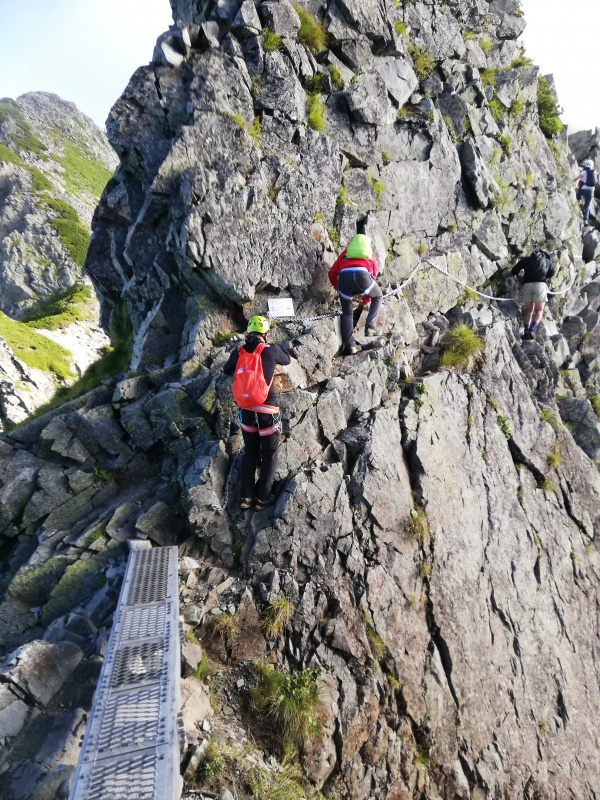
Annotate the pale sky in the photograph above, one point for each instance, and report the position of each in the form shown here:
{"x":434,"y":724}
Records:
{"x":84,"y":51}
{"x":561,"y":38}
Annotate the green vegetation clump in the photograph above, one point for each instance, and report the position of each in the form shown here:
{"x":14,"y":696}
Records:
{"x":545,"y":485}
{"x":378,"y":647}
{"x":337,"y":82}
{"x":311,"y":33}
{"x":423,"y":63}
{"x":63,"y":309}
{"x":505,"y":142}
{"x":468,"y":35}
{"x":554,"y":457}
{"x":291,"y":702}
{"x":315,"y":84}
{"x":276,"y":617}
{"x":497,"y":109}
{"x":221,"y":338}
{"x":74,"y":237}
{"x":271,"y":40}
{"x":547,"y":109}
{"x":24,"y":139}
{"x":316,"y":113}
{"x":488,"y":76}
{"x":595,"y":401}
{"x":34,"y":583}
{"x":226,"y":627}
{"x":78,"y":584}
{"x":463,"y":344}
{"x":115,"y":360}
{"x":400,"y":27}
{"x":204,"y":669}
{"x":7,"y":155}
{"x":84,"y":174}
{"x":35,"y":350}
{"x":486,"y":46}
{"x":417,"y":526}
{"x":521,"y":61}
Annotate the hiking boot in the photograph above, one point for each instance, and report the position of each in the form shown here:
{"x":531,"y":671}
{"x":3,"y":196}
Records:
{"x":246,"y":502}
{"x":370,"y":332}
{"x":529,"y":336}
{"x":352,"y":349}
{"x":260,"y":504}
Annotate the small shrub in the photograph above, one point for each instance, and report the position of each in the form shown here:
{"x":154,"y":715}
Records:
{"x":225,"y":626}
{"x":271,"y":40}
{"x":468,"y":35}
{"x":417,"y":526}
{"x":316,"y":113}
{"x":63,"y":309}
{"x":521,"y":61}
{"x":254,"y":130}
{"x":291,"y":702}
{"x":486,"y":46}
{"x":463,"y":343}
{"x":497,"y":109}
{"x":212,"y":764}
{"x":504,"y":426}
{"x":545,"y":485}
{"x":311,"y":33}
{"x":595,"y":401}
{"x":554,"y":458}
{"x":422,"y":249}
{"x":276,"y":617}
{"x":543,"y":726}
{"x":402,"y":113}
{"x":424,"y":569}
{"x":505,"y":143}
{"x":315,"y":84}
{"x":378,"y":189}
{"x":423,"y":63}
{"x":395,"y":685}
{"x":547,"y":109}
{"x":221,"y":338}
{"x":399,"y":27}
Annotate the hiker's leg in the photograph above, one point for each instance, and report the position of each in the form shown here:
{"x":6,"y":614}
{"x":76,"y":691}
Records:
{"x":527,"y":312}
{"x":376,"y":295}
{"x":269,"y":445}
{"x":346,"y":323}
{"x":538,"y":310}
{"x":251,"y":451}
{"x":587,"y":195}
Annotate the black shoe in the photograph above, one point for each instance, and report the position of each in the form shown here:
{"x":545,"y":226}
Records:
{"x":370,"y":332}
{"x":352,"y":349}
{"x":260,"y":504}
{"x":529,"y":336}
{"x":246,"y":502}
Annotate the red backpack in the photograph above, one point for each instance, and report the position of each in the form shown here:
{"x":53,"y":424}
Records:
{"x":249,"y":385}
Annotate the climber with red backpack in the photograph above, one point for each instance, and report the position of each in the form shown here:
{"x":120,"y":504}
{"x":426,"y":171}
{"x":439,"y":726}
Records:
{"x":253,"y":366}
{"x":538,"y":268}
{"x":353,"y":275}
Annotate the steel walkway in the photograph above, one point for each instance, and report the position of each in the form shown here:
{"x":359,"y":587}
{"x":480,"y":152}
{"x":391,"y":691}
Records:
{"x":131,"y":749}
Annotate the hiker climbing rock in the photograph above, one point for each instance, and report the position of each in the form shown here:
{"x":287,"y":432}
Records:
{"x":254,"y":366}
{"x":585,"y":187}
{"x":538,"y":269}
{"x":353,"y":275}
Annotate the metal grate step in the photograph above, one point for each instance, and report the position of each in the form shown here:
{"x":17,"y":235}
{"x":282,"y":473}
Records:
{"x":132,"y":744}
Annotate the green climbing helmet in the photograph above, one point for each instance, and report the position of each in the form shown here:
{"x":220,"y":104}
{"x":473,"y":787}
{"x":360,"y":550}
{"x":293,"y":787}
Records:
{"x":360,"y":247}
{"x":258,"y":324}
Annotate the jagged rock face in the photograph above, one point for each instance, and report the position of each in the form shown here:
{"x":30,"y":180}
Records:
{"x":49,"y":149}
{"x":436,"y":536}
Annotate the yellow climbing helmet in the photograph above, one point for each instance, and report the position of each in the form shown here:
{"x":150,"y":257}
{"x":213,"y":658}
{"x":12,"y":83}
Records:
{"x":258,"y":324}
{"x":360,"y":247}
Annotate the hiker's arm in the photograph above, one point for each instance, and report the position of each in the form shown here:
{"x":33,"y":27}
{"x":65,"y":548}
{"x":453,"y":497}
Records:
{"x":335,"y":270}
{"x":551,"y":272}
{"x":229,"y":366}
{"x":281,"y":357}
{"x":518,"y":267}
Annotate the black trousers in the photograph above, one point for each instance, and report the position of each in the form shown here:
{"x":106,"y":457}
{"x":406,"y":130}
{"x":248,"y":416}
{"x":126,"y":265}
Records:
{"x":350,"y":284}
{"x":256,"y":445}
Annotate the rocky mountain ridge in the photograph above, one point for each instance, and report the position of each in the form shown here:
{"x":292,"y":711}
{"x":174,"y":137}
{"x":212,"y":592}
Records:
{"x":434,"y":532}
{"x":54,"y":163}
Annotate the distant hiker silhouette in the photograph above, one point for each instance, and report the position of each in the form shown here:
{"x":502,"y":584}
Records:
{"x":586,"y":186}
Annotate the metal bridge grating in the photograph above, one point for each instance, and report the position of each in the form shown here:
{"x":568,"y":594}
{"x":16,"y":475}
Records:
{"x":131,"y":778}
{"x":132,"y":743}
{"x":149,"y":581}
{"x":142,"y":623}
{"x":130,"y":720}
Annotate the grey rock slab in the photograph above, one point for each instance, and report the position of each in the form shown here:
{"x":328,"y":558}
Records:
{"x":280,"y":17}
{"x":13,"y":713}
{"x":489,"y":237}
{"x":399,"y":79}
{"x":281,"y":91}
{"x":39,"y":669}
{"x":160,"y":524}
{"x":368,"y":99}
{"x":583,"y":423}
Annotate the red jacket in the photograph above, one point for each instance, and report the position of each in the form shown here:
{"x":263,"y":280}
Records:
{"x":342,"y":262}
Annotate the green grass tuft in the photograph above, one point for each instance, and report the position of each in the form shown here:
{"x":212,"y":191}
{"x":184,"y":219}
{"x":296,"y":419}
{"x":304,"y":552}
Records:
{"x":276,"y":617}
{"x":7,"y":155}
{"x":399,"y":27}
{"x":423,"y":63}
{"x":417,"y":526}
{"x":316,"y":113}
{"x":36,"y":350}
{"x":291,"y":702}
{"x":74,"y":237}
{"x":83,"y":174}
{"x":595,"y":401}
{"x":311,"y":33}
{"x":486,"y":46}
{"x":271,"y":40}
{"x":488,"y":76}
{"x":337,"y":82}
{"x":463,"y":344}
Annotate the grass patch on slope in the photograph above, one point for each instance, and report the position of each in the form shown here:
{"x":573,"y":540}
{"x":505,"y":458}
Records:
{"x":547,"y":109}
{"x":23,"y":138}
{"x":84,"y":174}
{"x":311,"y":33}
{"x":63,"y":309}
{"x":35,"y":350}
{"x":74,"y":237}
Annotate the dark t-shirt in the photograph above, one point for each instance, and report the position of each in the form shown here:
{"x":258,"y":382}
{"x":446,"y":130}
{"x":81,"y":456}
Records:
{"x":270,"y":356}
{"x":533,"y":274}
